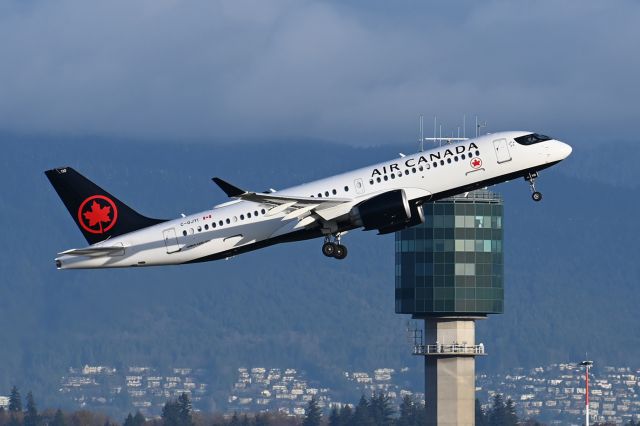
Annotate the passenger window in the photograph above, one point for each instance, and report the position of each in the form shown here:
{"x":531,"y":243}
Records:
{"x":421,"y":168}
{"x":455,"y":158}
{"x":241,"y":217}
{"x":442,"y":162}
{"x":263,"y":211}
{"x":206,"y":226}
{"x":326,"y":193}
{"x":346,"y":189}
{"x":449,"y":160}
{"x":213,"y":225}
{"x":249,"y":215}
{"x":378,"y":179}
{"x":413,"y":170}
{"x":435,"y":164}
{"x":255,"y":213}
{"x":184,"y":232}
{"x":477,"y":153}
{"x":406,"y":172}
{"x":228,"y":221}
{"x":220,"y":223}
{"x":370,"y":181}
{"x":319,"y":195}
{"x":386,"y":177}
{"x":393,"y":176}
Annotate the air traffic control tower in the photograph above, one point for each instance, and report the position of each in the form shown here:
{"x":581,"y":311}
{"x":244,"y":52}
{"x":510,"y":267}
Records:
{"x":449,"y":273}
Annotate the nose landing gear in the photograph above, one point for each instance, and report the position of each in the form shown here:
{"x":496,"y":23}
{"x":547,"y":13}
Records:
{"x":531,"y":178}
{"x":334,"y":248}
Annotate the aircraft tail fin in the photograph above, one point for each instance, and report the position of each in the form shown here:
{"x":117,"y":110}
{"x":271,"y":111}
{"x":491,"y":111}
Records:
{"x":98,"y":214}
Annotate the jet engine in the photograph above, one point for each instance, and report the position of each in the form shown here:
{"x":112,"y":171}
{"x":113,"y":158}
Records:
{"x":417,"y":217}
{"x":386,"y":212}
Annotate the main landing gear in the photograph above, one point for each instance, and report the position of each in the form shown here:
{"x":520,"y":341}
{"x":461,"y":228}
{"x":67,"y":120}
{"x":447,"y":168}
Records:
{"x":334,"y":249}
{"x":531,"y":178}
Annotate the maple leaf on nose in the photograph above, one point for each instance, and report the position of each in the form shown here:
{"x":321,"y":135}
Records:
{"x":97,"y":214}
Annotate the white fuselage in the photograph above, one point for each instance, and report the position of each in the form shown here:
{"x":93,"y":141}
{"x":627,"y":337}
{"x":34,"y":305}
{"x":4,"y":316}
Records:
{"x":239,"y":225}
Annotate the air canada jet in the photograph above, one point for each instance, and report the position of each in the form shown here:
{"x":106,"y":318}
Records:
{"x":386,"y":197}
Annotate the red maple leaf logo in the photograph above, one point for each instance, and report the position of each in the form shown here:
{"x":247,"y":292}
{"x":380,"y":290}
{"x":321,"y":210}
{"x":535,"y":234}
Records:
{"x":97,"y":215}
{"x":476,"y":162}
{"x":100,"y":216}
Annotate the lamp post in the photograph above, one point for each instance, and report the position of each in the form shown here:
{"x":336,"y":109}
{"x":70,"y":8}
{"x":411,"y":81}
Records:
{"x":587,"y":365}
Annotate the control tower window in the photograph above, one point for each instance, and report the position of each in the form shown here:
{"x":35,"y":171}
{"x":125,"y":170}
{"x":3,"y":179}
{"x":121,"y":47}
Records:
{"x":532,"y":138}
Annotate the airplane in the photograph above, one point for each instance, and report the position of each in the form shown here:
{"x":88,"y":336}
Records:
{"x":386,"y":197}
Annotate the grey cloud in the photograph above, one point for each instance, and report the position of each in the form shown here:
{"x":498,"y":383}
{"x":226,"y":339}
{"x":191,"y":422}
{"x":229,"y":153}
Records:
{"x":354,"y":71}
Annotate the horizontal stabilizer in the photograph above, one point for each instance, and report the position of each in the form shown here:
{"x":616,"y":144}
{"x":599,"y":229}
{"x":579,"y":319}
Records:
{"x":95,"y":251}
{"x":230,"y":190}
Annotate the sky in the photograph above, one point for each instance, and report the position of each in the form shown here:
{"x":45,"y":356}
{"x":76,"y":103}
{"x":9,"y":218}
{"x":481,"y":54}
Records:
{"x":356,"y":72}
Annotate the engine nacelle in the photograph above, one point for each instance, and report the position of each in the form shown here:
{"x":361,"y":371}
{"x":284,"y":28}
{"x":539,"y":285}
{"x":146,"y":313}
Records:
{"x":386,"y":210}
{"x":417,"y":217}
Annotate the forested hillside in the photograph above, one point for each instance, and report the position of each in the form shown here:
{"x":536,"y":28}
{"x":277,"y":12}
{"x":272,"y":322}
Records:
{"x":571,"y":266}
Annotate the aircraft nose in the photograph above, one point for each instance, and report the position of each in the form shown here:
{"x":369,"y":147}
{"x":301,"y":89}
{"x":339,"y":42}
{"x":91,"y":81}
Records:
{"x":564,"y":149}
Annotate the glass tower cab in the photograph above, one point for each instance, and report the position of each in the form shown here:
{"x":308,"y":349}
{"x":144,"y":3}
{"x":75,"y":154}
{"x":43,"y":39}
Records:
{"x":452,"y":264}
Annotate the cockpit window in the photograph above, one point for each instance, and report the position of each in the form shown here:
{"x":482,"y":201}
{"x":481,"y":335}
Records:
{"x":532,"y":138}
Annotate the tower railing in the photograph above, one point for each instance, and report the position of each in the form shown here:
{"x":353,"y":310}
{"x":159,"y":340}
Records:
{"x":449,"y":349}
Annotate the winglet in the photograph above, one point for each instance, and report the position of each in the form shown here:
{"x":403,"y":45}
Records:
{"x":230,"y":190}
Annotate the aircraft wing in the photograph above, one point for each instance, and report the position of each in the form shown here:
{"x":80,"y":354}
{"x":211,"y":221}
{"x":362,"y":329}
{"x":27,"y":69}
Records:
{"x":327,"y":208}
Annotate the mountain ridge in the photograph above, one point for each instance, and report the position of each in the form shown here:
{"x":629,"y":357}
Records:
{"x":287,"y":304}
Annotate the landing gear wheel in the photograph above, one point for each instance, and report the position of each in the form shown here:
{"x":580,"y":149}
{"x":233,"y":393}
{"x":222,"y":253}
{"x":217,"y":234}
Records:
{"x":531,"y":178}
{"x":329,"y":249}
{"x":340,"y":252}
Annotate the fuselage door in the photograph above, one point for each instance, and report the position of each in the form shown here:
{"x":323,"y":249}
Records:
{"x":359,"y":186}
{"x":502,"y":150}
{"x":170,"y":240}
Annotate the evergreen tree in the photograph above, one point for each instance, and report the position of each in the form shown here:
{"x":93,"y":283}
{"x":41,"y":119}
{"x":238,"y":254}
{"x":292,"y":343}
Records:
{"x":334,"y":417}
{"x":15,"y":400}
{"x":411,"y":412}
{"x":511,"y":418}
{"x":235,"y":420}
{"x":170,"y":413}
{"x":58,"y":419}
{"x":362,"y":416}
{"x":421,"y":414}
{"x":31,"y":417}
{"x":128,"y":421}
{"x":13,"y":421}
{"x":313,"y":415}
{"x":184,"y":410}
{"x":245,"y":420}
{"x":481,"y":417}
{"x":261,"y":419}
{"x":138,"y":419}
{"x":386,"y":409}
{"x":346,"y":415}
{"x":497,"y":415}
